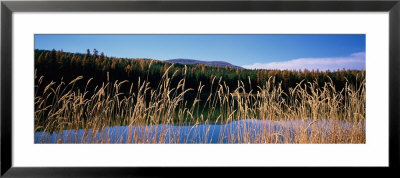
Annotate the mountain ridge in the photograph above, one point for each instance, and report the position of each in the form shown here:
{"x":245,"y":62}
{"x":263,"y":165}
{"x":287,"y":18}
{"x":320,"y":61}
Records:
{"x":211,"y":63}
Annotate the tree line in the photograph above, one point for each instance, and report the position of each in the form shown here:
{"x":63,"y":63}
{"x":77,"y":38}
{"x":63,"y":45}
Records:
{"x":55,"y":65}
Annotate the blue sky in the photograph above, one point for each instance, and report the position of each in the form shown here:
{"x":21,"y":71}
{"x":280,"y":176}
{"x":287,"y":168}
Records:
{"x":250,"y":51}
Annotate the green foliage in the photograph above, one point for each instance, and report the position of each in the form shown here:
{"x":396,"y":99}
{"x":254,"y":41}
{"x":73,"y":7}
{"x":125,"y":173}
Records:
{"x":58,"y":64}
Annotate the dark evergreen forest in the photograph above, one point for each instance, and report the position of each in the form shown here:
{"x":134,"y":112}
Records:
{"x":56,"y":65}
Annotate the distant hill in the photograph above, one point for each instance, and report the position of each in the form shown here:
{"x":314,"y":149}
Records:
{"x":211,"y":63}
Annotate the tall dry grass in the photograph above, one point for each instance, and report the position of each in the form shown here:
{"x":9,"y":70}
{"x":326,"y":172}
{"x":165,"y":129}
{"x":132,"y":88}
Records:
{"x":318,"y":111}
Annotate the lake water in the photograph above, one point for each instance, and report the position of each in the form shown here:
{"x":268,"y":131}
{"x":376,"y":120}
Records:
{"x":241,"y":131}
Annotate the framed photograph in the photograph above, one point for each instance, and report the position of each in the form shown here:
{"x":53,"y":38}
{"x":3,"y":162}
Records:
{"x":141,"y":88}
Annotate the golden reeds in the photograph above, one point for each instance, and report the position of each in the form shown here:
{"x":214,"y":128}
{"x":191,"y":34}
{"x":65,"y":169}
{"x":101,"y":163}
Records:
{"x":321,"y":114}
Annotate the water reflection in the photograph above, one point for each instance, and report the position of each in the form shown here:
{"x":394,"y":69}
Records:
{"x":241,"y":131}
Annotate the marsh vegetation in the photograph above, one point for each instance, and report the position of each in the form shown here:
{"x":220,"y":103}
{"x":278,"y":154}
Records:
{"x":264,"y":107}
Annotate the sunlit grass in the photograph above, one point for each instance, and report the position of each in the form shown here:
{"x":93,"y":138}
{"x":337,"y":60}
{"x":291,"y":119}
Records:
{"x":318,"y":111}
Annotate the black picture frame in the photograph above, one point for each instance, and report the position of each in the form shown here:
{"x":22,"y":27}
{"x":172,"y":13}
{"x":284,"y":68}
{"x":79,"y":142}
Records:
{"x":8,"y":7}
